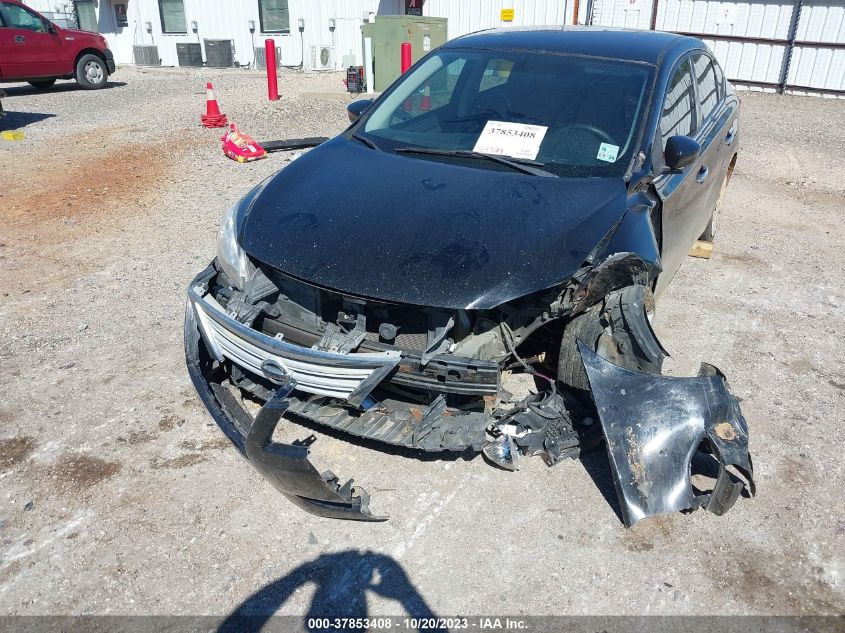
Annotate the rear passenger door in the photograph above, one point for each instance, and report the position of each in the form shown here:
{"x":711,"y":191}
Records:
{"x":713,"y":120}
{"x":719,"y":113}
{"x":5,"y":47}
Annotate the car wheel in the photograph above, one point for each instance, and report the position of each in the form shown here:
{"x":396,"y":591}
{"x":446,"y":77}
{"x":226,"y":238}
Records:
{"x":42,"y":84}
{"x":710,"y":231}
{"x":619,"y":330}
{"x":91,"y":72}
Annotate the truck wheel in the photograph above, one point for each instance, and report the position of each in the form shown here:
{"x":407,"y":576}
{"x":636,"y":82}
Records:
{"x":42,"y":84}
{"x":91,"y":72}
{"x":617,"y":329}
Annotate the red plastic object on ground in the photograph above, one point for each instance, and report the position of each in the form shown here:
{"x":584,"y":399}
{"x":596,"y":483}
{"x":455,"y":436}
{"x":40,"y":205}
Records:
{"x":425,"y":102}
{"x":241,"y":147}
{"x":212,"y":117}
{"x":406,"y":56}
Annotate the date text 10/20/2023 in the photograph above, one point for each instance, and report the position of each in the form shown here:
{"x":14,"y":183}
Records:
{"x":417,"y":624}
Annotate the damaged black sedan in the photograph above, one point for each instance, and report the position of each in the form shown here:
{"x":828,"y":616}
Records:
{"x":513,"y":204}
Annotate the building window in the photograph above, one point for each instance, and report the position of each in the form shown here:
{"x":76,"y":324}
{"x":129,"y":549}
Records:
{"x":86,"y":15}
{"x":172,"y":16}
{"x":121,"y":17}
{"x":274,"y":16}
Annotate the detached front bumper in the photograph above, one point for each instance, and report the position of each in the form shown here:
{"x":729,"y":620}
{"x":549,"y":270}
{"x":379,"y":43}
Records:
{"x":285,"y":466}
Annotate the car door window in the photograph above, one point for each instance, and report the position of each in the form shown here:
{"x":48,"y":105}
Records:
{"x":706,"y":85}
{"x":21,"y":18}
{"x":720,"y":79}
{"x":434,"y":93}
{"x":678,"y":118}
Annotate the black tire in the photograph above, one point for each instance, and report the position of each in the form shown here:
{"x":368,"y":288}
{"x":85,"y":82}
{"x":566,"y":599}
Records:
{"x":710,"y":231}
{"x":617,"y":329}
{"x":42,"y":84}
{"x":91,"y":72}
{"x":586,"y":327}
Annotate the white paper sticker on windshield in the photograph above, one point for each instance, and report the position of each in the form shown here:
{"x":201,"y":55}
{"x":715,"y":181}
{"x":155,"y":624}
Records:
{"x":516,"y":140}
{"x":608,"y":152}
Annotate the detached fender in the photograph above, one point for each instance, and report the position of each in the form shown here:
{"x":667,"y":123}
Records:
{"x":654,"y":424}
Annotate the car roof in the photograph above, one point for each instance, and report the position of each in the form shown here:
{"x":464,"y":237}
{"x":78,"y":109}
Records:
{"x":640,"y":46}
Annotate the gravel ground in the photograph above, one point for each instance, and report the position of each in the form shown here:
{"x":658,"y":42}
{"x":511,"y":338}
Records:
{"x":118,"y":495}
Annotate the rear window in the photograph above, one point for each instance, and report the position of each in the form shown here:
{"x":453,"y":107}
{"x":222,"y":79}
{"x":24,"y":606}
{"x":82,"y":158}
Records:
{"x":708,"y":91}
{"x":677,"y":117}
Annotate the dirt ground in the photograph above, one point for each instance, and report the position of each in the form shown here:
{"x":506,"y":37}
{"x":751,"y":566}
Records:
{"x":118,"y":495}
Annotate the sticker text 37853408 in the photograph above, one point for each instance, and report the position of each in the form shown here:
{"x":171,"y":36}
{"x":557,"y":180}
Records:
{"x":517,"y":140}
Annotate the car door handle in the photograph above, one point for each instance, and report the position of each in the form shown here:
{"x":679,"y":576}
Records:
{"x":729,"y":137}
{"x":702,"y":174}
{"x":20,"y":39}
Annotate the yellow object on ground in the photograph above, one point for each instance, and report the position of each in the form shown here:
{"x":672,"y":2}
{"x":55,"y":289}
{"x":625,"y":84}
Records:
{"x":13,"y":135}
{"x":702,"y":249}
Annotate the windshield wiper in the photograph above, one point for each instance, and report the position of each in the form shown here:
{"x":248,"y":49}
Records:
{"x":524,"y":166}
{"x":364,"y":140}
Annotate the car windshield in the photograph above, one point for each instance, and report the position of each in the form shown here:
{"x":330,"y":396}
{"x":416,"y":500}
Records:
{"x":577,"y":116}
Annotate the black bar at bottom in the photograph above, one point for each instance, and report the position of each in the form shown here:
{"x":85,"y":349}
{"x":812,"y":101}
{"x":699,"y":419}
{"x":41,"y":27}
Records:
{"x":293,"y":143}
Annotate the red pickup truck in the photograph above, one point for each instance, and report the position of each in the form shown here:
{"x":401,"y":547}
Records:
{"x":35,"y":50}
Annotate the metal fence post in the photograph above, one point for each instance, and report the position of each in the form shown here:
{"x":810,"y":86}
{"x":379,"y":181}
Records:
{"x":790,"y":46}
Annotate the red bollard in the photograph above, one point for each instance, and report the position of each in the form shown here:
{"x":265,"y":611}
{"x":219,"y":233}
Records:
{"x":272,"y":79}
{"x":406,"y":56}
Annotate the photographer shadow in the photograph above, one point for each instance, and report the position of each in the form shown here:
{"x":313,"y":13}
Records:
{"x":342,"y":581}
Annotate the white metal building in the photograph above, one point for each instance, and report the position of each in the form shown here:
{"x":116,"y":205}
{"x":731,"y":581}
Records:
{"x":792,"y":45}
{"x":787,"y":45}
{"x":296,"y":25}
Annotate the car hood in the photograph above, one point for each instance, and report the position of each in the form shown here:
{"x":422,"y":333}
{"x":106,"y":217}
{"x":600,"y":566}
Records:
{"x":80,"y":34}
{"x":403,"y":229}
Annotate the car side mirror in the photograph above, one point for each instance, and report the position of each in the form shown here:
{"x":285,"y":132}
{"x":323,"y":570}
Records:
{"x":355,"y":109}
{"x":680,"y":151}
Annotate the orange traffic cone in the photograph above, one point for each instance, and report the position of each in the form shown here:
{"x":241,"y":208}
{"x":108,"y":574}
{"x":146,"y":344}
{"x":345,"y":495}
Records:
{"x":212,"y":116}
{"x":425,"y":102}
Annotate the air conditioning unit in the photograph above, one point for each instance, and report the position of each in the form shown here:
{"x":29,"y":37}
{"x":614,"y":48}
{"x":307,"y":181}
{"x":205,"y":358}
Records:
{"x":219,"y":53}
{"x":189,"y":53}
{"x":146,"y":55}
{"x":322,"y":58}
{"x":261,"y":57}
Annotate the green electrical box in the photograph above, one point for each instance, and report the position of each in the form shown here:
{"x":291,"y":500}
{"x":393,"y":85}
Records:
{"x":389,"y":31}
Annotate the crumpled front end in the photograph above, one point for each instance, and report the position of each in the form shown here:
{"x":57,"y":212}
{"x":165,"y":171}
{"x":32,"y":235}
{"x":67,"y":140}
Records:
{"x":237,"y":344}
{"x":430,"y":379}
